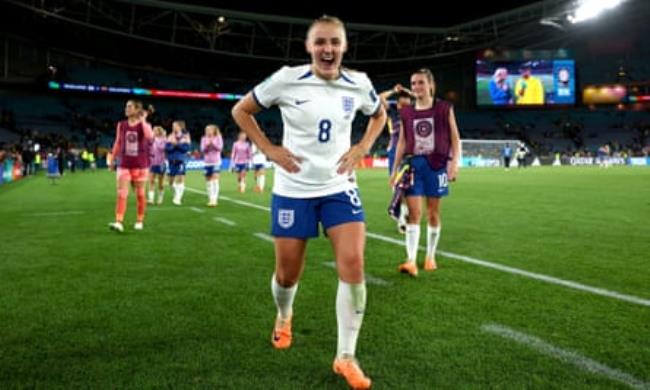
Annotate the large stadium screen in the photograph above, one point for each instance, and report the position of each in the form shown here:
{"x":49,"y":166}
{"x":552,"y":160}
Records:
{"x":525,"y":83}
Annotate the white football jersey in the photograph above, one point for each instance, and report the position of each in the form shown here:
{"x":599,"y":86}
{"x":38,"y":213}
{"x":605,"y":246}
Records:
{"x":258,"y":156}
{"x":317,"y":120}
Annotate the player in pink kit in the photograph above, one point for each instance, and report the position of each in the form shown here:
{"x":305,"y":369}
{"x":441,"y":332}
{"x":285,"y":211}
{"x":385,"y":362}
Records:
{"x":241,"y":159}
{"x":211,"y":146}
{"x":157,"y":170}
{"x":131,"y":149}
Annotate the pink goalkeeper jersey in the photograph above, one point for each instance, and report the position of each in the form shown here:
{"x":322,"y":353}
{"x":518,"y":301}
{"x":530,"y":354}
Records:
{"x":211,"y":148}
{"x":241,"y":152}
{"x":158,"y":151}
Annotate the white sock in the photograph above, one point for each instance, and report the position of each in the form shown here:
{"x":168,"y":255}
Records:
{"x":433,"y":235}
{"x":181,"y":189}
{"x":283,"y":297}
{"x":216,"y":190}
{"x":151,"y":194}
{"x":242,"y":186}
{"x":214,"y":187}
{"x":209,"y":190}
{"x":160,"y":195}
{"x":261,"y":181}
{"x":350,"y":307}
{"x":412,"y":241}
{"x":175,"y":189}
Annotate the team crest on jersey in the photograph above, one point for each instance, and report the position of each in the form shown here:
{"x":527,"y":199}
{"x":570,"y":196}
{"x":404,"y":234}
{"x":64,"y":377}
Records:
{"x":131,"y":145}
{"x":423,"y":127}
{"x":348,"y":104}
{"x":285,"y":218}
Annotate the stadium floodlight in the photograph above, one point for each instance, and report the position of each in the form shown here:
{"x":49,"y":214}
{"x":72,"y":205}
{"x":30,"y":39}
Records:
{"x":588,"y":9}
{"x":553,"y":22}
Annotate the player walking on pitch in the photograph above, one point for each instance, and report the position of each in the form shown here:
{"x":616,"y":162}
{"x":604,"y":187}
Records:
{"x":157,"y":170}
{"x":314,"y":181}
{"x":178,"y":144}
{"x":211,"y":146}
{"x":241,"y":159}
{"x":430,"y":138}
{"x":131,"y":148}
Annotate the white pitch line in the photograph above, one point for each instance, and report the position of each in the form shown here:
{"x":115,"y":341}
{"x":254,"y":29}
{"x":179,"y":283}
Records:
{"x":197,"y":210}
{"x":483,"y":263}
{"x":264,"y":237}
{"x":190,"y":189}
{"x":369,"y":278}
{"x":528,"y":274}
{"x":225,"y":221}
{"x":229,"y":199}
{"x":565,"y":356}
{"x":247,"y":204}
{"x":56,"y":213}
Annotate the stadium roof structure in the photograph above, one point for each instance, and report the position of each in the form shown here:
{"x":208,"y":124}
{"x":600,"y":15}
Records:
{"x":257,"y":36}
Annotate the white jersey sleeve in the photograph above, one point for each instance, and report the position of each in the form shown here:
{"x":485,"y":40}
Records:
{"x":268,"y":92}
{"x":369,"y":100}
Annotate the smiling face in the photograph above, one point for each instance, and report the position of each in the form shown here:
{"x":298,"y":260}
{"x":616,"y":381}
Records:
{"x":422,"y":86}
{"x":326,"y":43}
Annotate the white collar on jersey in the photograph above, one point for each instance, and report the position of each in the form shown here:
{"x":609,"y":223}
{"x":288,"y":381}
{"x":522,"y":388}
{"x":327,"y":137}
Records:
{"x":342,"y":76}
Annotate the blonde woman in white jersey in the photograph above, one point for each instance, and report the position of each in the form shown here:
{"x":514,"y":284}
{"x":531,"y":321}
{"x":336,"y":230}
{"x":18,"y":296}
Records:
{"x":314,"y":183}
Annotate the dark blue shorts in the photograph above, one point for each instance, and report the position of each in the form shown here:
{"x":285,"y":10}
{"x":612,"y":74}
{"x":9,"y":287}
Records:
{"x":427,"y":181}
{"x":176,"y":168}
{"x":157,"y":169}
{"x":211,"y":170}
{"x":241,"y":168}
{"x":299,"y":218}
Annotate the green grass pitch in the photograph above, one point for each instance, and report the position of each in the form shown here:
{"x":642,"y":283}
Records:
{"x":186,"y":303}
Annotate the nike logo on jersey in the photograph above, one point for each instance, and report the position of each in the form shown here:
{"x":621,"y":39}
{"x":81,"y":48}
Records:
{"x":299,"y":102}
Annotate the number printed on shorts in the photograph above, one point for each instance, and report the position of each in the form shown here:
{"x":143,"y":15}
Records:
{"x":324,"y":127}
{"x":442,"y":180}
{"x":353,"y":193}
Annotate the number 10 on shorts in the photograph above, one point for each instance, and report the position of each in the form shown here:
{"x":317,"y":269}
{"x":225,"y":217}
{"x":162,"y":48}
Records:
{"x":442,"y":180}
